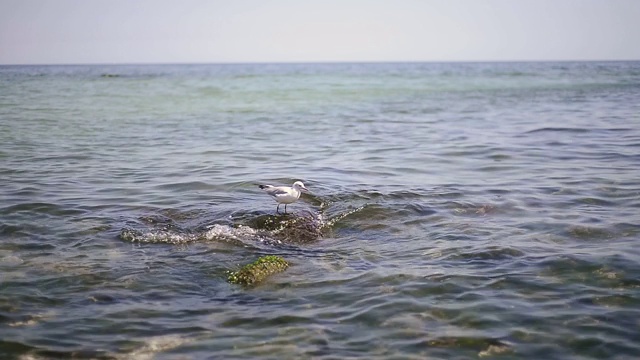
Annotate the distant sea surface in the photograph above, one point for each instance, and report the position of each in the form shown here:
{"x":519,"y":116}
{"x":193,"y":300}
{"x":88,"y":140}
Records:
{"x":456,"y":211}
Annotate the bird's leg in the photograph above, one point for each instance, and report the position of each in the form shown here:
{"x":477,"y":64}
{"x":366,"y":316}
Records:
{"x":285,"y":208}
{"x":277,"y":208}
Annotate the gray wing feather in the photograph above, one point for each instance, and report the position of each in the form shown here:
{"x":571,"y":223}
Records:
{"x":276,"y":191}
{"x":272,"y":190}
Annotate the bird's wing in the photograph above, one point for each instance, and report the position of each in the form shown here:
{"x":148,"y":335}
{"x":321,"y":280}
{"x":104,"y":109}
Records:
{"x":274,"y":190}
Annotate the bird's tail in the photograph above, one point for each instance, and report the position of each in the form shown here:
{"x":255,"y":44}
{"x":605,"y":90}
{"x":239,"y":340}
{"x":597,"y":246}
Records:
{"x":264,"y":186}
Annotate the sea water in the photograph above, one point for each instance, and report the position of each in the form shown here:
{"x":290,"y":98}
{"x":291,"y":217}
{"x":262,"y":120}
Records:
{"x":459,"y":210}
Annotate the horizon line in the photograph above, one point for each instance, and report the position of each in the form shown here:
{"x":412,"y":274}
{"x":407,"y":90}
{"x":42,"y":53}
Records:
{"x":328,"y":62}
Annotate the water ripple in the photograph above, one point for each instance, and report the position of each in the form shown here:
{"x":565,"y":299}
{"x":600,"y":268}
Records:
{"x":456,"y":210}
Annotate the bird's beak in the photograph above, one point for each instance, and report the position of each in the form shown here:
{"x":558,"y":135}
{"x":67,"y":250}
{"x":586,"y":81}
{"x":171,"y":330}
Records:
{"x":304,"y":189}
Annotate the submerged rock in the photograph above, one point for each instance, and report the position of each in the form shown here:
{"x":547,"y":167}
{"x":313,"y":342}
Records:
{"x":288,"y":228}
{"x":487,"y":346}
{"x":258,"y":270}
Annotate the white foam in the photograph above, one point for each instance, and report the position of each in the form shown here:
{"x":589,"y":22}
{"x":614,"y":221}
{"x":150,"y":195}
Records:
{"x":241,"y":233}
{"x":156,"y":345}
{"x":166,"y":237}
{"x":217,"y":231}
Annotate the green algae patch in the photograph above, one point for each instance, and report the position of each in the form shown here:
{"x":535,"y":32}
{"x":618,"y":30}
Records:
{"x":258,"y":270}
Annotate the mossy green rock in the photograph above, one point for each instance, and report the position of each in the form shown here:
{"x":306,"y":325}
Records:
{"x":258,"y":270}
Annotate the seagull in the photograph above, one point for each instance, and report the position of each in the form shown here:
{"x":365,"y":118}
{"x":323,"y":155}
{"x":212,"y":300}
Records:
{"x":285,"y":194}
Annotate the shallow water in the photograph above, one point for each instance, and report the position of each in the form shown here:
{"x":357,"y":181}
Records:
{"x":457,"y":210}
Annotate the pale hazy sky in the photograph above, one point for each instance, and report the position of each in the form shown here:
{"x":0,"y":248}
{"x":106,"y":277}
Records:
{"x":204,"y":31}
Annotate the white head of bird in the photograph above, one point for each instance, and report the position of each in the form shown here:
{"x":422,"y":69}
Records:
{"x":298,"y":185}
